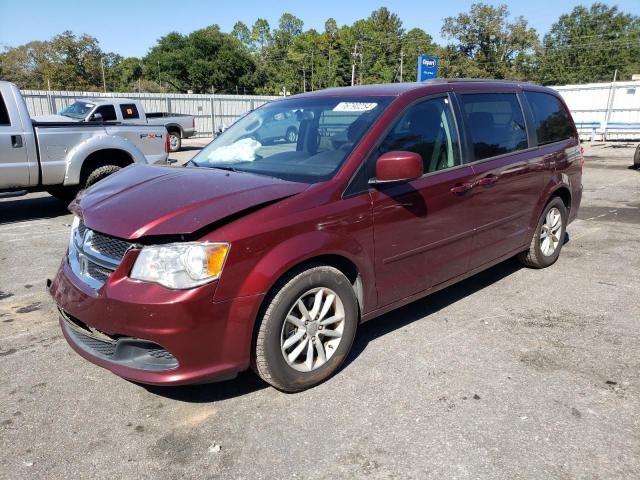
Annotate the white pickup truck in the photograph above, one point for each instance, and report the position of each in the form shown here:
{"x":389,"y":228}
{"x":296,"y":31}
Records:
{"x":125,"y":110}
{"x":64,"y":157}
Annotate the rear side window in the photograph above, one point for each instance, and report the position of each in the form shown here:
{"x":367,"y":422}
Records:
{"x":129,"y":110}
{"x":108,"y":112}
{"x":550,"y":118}
{"x":4,"y":115}
{"x":495,"y":122}
{"x":428,"y":129}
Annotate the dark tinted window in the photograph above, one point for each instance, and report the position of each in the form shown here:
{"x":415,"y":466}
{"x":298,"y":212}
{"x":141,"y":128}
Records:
{"x":108,"y":112}
{"x":4,"y":115}
{"x":129,"y":110}
{"x":495,"y":123}
{"x":551,"y":119}
{"x":428,"y":129}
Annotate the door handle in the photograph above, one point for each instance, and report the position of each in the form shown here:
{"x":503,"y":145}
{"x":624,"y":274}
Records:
{"x":461,"y":188}
{"x":16,"y":141}
{"x":488,"y":180}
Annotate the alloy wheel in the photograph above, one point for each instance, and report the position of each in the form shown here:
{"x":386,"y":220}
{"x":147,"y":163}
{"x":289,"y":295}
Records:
{"x":312,"y":329}
{"x":550,"y":232}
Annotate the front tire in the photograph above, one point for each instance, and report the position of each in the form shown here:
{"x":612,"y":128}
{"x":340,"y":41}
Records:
{"x":307,"y":329}
{"x":63,"y":193}
{"x":548,"y":238}
{"x":636,"y":158}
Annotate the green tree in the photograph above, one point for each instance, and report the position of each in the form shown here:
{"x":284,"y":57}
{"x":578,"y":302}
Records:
{"x":242,"y":33}
{"x":200,"y":61}
{"x":589,"y":44}
{"x":488,"y":45}
{"x":261,"y":33}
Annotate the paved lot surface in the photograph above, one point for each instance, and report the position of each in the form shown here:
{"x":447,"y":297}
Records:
{"x":514,"y":373}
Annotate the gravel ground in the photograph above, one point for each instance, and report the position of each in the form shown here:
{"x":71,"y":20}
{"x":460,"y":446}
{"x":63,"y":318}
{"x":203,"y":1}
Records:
{"x":513,"y":373}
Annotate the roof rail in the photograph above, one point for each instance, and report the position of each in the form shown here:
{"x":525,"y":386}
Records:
{"x":477,"y":80}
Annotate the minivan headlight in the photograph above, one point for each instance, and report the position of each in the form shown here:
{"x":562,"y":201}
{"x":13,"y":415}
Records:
{"x":180,"y":265}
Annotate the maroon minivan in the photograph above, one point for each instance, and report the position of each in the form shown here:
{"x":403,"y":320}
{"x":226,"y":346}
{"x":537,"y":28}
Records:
{"x":269,"y":253}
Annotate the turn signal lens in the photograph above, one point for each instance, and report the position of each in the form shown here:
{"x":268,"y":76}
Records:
{"x":216,"y":256}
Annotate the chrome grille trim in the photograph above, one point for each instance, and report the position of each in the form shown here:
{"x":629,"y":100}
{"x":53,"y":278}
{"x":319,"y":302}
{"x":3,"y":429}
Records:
{"x":93,"y":256}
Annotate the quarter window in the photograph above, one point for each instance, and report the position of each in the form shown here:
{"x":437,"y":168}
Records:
{"x":4,"y":115}
{"x":427,"y":129}
{"x":550,"y":118}
{"x":129,"y":110}
{"x":495,"y":123}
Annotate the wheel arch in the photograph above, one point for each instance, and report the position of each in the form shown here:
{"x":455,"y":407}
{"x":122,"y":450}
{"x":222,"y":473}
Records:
{"x":560,"y":189}
{"x":118,"y":148}
{"x":174,"y":127}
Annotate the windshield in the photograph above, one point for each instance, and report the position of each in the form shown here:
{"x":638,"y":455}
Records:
{"x":77,"y":110}
{"x":301,"y":140}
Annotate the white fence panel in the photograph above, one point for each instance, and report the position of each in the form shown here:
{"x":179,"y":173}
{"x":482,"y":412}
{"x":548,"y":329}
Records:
{"x":211,"y":112}
{"x":605,"y":111}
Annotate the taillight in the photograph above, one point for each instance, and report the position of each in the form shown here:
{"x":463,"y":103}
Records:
{"x":167,"y":142}
{"x":193,"y":122}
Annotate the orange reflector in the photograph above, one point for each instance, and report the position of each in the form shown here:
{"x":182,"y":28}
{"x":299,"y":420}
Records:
{"x":215,"y":259}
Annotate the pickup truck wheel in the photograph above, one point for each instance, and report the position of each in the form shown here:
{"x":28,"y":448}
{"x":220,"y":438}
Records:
{"x":306,"y":330}
{"x":548,"y":238}
{"x":175,"y":141}
{"x":62,"y":193}
{"x":636,"y":158}
{"x":100,"y":173}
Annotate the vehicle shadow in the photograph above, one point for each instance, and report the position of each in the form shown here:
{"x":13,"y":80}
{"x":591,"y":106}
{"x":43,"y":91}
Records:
{"x":429,"y":305}
{"x":188,"y":148}
{"x":23,"y":209}
{"x":245,"y":382}
{"x":248,"y":382}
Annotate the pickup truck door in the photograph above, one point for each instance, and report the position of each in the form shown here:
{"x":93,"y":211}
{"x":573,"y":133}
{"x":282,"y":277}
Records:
{"x":14,"y":161}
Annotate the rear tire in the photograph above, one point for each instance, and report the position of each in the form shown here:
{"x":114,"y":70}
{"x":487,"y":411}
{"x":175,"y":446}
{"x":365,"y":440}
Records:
{"x":175,"y":141}
{"x":100,"y":173}
{"x":321,"y":331}
{"x":548,"y":238}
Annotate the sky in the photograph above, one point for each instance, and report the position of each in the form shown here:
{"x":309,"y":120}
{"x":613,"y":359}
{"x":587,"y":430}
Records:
{"x":131,"y":27}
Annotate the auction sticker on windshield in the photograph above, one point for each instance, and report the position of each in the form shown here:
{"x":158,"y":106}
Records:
{"x":354,"y":107}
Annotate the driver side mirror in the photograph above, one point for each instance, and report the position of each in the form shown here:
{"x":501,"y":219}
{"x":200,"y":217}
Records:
{"x":96,"y":117}
{"x":397,"y":166}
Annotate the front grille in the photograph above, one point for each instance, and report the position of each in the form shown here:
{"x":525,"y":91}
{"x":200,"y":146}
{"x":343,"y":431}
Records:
{"x":96,"y":271}
{"x":109,"y":246}
{"x":103,"y":348}
{"x":161,"y":353}
{"x":93,"y":256}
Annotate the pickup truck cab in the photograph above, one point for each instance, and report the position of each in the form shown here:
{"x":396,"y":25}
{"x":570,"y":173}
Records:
{"x":271,"y":255}
{"x":126,"y":111}
{"x":64,"y":157}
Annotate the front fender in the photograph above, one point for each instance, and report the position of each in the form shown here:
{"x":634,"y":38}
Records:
{"x":76,"y":157}
{"x":274,"y":263}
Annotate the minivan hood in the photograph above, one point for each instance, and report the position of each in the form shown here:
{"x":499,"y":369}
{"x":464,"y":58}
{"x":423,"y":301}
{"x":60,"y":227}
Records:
{"x":145,"y":200}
